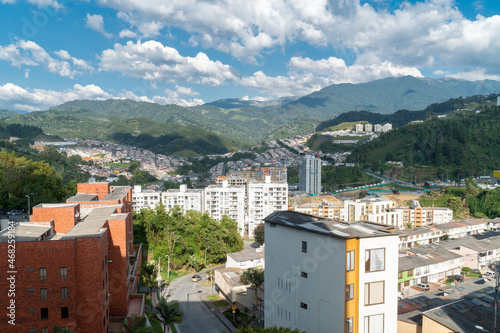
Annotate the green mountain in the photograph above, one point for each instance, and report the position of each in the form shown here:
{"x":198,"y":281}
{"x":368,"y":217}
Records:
{"x":465,"y":142}
{"x":403,"y":117}
{"x":233,"y":123}
{"x":386,"y":95}
{"x":169,"y":139}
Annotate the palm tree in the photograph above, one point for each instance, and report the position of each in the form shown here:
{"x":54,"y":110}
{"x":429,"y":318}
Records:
{"x":135,"y":324}
{"x":168,"y":312}
{"x":255,"y":278}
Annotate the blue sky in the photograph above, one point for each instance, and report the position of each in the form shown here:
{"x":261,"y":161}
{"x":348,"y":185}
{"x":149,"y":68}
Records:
{"x":190,"y":52}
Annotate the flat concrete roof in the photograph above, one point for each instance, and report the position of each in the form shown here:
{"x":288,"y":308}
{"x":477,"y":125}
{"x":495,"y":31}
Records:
{"x":82,"y":197}
{"x":92,"y":224}
{"x":245,"y":255}
{"x":328,"y":227}
{"x":25,"y":233}
{"x":117,"y":193}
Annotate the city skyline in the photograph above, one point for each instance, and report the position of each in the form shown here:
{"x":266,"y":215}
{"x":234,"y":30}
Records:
{"x":195,"y":52}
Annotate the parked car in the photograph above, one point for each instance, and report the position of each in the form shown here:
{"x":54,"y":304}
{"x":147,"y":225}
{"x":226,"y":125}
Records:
{"x":489,"y":274}
{"x":422,"y":286}
{"x":458,"y":278}
{"x":400,"y":295}
{"x":15,"y":212}
{"x":196,"y":278}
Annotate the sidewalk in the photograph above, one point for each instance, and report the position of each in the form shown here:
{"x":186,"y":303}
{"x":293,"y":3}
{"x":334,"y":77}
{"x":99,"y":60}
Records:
{"x":215,"y":310}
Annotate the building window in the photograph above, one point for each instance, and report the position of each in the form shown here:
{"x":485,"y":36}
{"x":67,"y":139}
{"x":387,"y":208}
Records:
{"x":374,"y":324}
{"x":64,"y":293}
{"x":45,"y":330}
{"x":43,"y":274}
{"x":409,"y":273}
{"x":44,"y":313}
{"x":350,"y":261}
{"x":304,"y":246}
{"x":375,"y":260}
{"x":64,"y":312}
{"x":349,"y":325}
{"x":374,"y":293}
{"x":349,"y":292}
{"x":400,"y":275}
{"x":303,"y":305}
{"x":64,"y":272}
{"x":303,"y":274}
{"x":43,"y":294}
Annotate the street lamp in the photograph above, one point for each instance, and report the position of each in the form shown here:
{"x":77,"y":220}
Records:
{"x":29,"y":203}
{"x":159,"y":271}
{"x":187,"y":316}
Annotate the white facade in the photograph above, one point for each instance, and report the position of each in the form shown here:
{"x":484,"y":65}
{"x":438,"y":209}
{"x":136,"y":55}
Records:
{"x":306,"y":290}
{"x":359,"y":128}
{"x":310,"y":175}
{"x":378,"y":128}
{"x":184,"y":198}
{"x":387,"y":127}
{"x":371,"y":209}
{"x":144,"y":199}
{"x":226,"y":200}
{"x":368,"y":128}
{"x":264,"y":198}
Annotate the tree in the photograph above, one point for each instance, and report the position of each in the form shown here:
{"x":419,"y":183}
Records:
{"x":196,"y":261}
{"x":258,"y":234}
{"x":168,"y":312}
{"x":255,"y":278}
{"x":149,"y":280}
{"x":135,"y":324}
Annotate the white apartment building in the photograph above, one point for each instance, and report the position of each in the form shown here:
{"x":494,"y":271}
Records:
{"x":184,"y":198}
{"x":310,"y":175}
{"x":144,"y":198}
{"x":387,"y":127}
{"x":412,"y":237}
{"x":378,"y":128}
{"x":359,"y":128}
{"x":264,"y":198}
{"x":418,"y":216}
{"x":326,"y":276}
{"x":378,"y":210}
{"x":368,"y":128}
{"x":462,"y":228}
{"x":227,"y":200}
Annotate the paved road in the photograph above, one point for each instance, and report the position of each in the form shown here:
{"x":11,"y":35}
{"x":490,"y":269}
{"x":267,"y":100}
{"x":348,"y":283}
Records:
{"x":201,"y":319}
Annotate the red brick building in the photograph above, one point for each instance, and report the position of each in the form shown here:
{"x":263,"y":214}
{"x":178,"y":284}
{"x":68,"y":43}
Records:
{"x":75,"y":264}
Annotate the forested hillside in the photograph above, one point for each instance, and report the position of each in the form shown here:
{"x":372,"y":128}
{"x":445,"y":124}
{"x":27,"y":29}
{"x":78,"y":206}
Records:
{"x":161,"y":138}
{"x":403,"y":117}
{"x":466,"y":143}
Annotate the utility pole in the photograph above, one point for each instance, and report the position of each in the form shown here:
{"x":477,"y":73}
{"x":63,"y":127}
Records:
{"x":497,"y":277}
{"x":447,"y":176}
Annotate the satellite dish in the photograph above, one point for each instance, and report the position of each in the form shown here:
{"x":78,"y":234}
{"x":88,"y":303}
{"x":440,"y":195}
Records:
{"x":77,"y":214}
{"x":453,"y":284}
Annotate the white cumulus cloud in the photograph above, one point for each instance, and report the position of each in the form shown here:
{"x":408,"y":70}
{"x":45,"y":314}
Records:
{"x":96,"y":22}
{"x":154,"y":62}
{"x":28,"y":53}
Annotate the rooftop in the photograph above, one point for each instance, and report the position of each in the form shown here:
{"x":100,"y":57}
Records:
{"x":82,"y":197}
{"x":425,"y":255}
{"x":466,"y":307}
{"x":92,"y":224}
{"x":231,"y":275}
{"x":25,"y":232}
{"x":117,"y":193}
{"x":329,"y":227}
{"x":245,"y":255}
